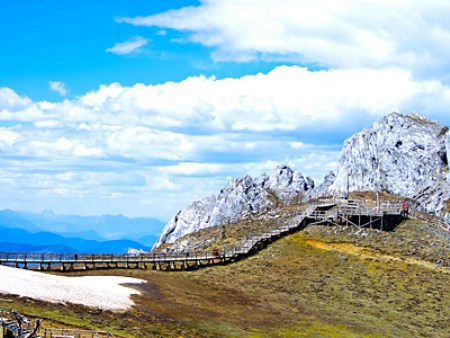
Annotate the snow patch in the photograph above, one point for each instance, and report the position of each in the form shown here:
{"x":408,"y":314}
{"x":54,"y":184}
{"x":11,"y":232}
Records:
{"x":103,"y":292}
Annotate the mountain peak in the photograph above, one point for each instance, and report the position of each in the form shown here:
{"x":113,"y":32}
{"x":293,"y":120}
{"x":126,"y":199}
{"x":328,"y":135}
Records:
{"x":240,"y":198}
{"x":399,"y":154}
{"x":48,"y":213}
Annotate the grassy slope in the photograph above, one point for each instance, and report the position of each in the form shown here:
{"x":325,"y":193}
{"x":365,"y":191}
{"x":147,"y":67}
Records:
{"x":290,"y":289}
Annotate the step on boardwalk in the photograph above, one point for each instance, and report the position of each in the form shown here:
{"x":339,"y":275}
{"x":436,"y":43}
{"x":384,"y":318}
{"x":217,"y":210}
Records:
{"x":328,"y":212}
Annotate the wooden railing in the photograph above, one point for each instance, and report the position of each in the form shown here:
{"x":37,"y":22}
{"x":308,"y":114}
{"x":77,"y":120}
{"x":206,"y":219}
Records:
{"x":17,"y":325}
{"x":72,"y":333}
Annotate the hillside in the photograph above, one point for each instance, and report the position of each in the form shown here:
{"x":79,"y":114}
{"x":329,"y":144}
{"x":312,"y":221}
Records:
{"x":321,"y":282}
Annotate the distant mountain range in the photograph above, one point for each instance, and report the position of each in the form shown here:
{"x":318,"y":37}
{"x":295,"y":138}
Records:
{"x":48,"y":232}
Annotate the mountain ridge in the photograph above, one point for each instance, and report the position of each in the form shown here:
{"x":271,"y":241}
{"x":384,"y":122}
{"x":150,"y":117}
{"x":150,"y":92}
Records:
{"x":404,"y":155}
{"x":23,"y":240}
{"x":239,"y":199}
{"x":20,"y":233}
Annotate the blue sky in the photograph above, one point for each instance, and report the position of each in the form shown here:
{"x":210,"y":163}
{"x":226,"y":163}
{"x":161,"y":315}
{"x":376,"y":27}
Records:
{"x":139,"y":107}
{"x":67,"y":40}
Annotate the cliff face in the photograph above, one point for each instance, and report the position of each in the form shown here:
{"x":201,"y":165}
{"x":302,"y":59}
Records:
{"x":400,"y":154}
{"x":237,"y":200}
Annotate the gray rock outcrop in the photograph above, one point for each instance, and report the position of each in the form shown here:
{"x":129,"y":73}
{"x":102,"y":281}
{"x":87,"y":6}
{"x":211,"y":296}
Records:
{"x":404,"y":155}
{"x":240,"y":198}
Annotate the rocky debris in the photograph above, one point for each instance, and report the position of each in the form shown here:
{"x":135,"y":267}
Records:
{"x":239,"y":199}
{"x":404,"y":155}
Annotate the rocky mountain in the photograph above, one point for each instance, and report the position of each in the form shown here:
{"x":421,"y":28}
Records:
{"x":405,"y":155}
{"x":240,"y":198}
{"x":400,"y":154}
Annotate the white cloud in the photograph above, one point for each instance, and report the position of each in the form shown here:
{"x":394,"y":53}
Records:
{"x":343,"y":34}
{"x":287,"y":98}
{"x":132,"y":45}
{"x":8,"y":137}
{"x":11,"y":101}
{"x":191,"y":168}
{"x":183,"y":140}
{"x":58,"y":87}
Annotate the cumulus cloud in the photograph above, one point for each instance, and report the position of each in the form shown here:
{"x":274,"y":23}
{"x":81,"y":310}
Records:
{"x":58,"y":87}
{"x":285,"y":99}
{"x":132,"y":45}
{"x":338,"y":34}
{"x":184,"y":140}
{"x":8,"y":137}
{"x":11,"y":101}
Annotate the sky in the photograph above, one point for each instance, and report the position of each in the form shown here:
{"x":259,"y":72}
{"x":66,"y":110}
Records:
{"x":141,"y":107}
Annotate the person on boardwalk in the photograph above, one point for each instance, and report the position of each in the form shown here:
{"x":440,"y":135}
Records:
{"x":404,"y":211}
{"x":215,"y":252}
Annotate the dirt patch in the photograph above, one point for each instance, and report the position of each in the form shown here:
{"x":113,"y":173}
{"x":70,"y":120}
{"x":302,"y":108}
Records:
{"x":365,"y":253}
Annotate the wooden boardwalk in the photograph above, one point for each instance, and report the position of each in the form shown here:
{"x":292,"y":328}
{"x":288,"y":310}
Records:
{"x":330,"y":212}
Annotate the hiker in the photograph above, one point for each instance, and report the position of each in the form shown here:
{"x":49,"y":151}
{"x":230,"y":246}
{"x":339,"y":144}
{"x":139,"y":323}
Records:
{"x":216,"y":252}
{"x":404,"y":211}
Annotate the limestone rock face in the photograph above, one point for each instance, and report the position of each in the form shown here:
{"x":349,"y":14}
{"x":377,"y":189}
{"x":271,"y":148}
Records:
{"x":400,"y":154}
{"x":240,"y":198}
{"x":324,"y":187}
{"x":192,"y":218}
{"x":286,"y":184}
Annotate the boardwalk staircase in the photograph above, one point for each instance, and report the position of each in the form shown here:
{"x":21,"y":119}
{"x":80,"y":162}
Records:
{"x":285,"y":226}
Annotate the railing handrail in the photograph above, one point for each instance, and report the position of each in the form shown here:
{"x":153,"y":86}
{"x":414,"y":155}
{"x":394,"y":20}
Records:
{"x":75,"y":332}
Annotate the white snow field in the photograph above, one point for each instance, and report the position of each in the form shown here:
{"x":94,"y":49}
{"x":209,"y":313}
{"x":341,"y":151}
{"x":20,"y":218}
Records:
{"x":104,"y":292}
